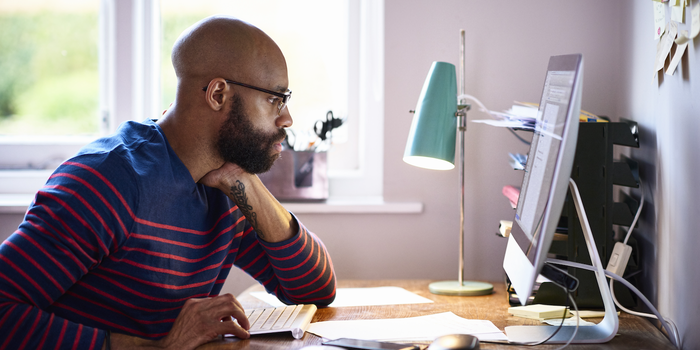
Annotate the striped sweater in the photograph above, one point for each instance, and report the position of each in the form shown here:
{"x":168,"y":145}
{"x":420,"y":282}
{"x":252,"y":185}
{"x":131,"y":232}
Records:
{"x":121,"y":236}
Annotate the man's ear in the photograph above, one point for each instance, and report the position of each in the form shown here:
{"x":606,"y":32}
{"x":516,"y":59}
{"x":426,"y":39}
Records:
{"x":217,"y":93}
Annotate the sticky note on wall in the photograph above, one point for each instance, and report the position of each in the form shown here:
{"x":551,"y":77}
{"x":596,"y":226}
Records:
{"x":659,"y":19}
{"x":694,"y":27}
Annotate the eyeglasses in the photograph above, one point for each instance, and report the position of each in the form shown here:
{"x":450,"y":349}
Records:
{"x":284,"y":97}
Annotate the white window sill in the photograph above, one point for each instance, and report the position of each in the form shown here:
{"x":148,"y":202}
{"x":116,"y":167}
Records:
{"x":365,"y":205}
{"x":17,"y":188}
{"x":17,"y":204}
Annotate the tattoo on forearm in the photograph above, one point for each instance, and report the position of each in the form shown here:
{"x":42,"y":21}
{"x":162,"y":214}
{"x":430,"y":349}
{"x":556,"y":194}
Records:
{"x":240,"y":197}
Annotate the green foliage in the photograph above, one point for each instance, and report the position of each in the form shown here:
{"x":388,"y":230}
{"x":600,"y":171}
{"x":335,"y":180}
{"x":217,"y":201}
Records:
{"x":15,"y":58}
{"x":48,"y":73}
{"x":69,"y":104}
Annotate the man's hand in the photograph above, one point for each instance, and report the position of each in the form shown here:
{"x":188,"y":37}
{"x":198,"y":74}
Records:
{"x":200,"y":321}
{"x":224,"y":177}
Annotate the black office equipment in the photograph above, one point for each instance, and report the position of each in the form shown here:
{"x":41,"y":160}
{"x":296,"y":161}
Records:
{"x":596,"y":173}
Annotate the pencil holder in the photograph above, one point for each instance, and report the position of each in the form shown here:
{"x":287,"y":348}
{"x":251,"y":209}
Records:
{"x":298,"y":176}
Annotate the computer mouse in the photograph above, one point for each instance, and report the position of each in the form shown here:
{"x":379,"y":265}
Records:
{"x":455,"y":342}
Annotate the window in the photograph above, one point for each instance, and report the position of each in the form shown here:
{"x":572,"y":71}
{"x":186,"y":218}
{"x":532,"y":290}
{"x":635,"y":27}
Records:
{"x":334,"y":54}
{"x":49,"y":64}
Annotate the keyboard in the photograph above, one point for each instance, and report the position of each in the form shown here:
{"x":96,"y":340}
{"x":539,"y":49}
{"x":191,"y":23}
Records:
{"x":291,"y":318}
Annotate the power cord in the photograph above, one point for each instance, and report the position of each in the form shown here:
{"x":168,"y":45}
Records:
{"x":636,"y":216}
{"x":672,"y":326}
{"x":670,"y":323}
{"x":577,"y":322}
{"x":616,"y":267}
{"x":664,"y":323}
{"x":519,"y":137}
{"x":563,"y":319}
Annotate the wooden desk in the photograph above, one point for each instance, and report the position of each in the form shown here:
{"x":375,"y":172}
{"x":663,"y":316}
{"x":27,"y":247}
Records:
{"x":634,"y":333}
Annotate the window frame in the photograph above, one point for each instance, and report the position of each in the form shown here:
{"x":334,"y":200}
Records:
{"x":129,"y":69}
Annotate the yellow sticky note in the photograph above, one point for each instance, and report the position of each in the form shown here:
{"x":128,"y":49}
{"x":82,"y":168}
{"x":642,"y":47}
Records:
{"x":678,"y":13}
{"x":539,"y":311}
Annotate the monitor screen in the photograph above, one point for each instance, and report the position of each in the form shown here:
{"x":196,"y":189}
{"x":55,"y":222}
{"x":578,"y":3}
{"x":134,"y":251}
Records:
{"x":547,"y":173}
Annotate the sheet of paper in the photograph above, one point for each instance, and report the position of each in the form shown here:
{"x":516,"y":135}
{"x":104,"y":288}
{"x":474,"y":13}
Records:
{"x":421,"y":328}
{"x":659,"y":19}
{"x":505,"y":123}
{"x":571,"y":321}
{"x":680,"y":50}
{"x":361,"y":297}
{"x":663,"y":48}
{"x":591,"y":313}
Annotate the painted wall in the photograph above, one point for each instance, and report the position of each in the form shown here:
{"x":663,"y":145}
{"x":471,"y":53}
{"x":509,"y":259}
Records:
{"x":508,"y":46}
{"x":667,"y":109}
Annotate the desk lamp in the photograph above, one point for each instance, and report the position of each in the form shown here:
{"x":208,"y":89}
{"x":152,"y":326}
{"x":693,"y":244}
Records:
{"x":431,"y":144}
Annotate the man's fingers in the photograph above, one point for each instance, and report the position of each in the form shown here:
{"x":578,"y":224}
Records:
{"x":234,"y":328}
{"x":226,"y":305}
{"x":236,"y":312}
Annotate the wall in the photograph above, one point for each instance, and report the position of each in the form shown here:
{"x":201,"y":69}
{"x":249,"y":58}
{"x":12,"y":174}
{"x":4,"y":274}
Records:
{"x":667,"y":110}
{"x":508,"y":46}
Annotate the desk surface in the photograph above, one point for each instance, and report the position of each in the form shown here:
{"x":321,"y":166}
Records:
{"x":634,"y":332}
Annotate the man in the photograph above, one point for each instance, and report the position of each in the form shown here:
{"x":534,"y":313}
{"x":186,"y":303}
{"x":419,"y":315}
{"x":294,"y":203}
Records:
{"x":128,"y":244}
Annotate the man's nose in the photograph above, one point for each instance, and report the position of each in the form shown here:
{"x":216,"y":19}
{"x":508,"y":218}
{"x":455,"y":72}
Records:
{"x":284,"y":120}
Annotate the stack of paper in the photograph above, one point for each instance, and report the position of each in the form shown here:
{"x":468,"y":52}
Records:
{"x":360,"y":297}
{"x":539,"y":311}
{"x":412,"y":329}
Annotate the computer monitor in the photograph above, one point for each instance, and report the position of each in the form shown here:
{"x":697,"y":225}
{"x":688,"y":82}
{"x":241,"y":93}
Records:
{"x":547,"y":174}
{"x":542,"y":195}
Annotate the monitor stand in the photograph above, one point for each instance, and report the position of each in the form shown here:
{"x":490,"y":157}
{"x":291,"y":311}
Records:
{"x":601,"y":332}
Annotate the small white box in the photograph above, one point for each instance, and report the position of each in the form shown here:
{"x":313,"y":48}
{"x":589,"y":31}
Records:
{"x":619,"y":258}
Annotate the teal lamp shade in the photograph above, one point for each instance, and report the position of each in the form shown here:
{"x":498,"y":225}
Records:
{"x":431,"y":141}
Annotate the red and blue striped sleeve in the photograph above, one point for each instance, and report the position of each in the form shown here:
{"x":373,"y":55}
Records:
{"x":69,"y":229}
{"x":297,"y":271}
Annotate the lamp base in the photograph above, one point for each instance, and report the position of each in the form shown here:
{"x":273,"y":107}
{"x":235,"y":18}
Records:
{"x":468,"y":288}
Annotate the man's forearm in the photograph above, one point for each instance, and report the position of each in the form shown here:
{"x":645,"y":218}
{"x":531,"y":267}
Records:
{"x":269,"y":218}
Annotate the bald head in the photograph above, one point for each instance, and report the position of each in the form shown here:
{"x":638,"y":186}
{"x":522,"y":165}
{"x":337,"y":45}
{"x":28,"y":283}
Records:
{"x":221,"y":46}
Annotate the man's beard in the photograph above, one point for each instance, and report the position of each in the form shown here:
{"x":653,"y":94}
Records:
{"x":240,"y":143}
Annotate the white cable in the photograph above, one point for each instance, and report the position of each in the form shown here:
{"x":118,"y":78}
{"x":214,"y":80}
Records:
{"x":482,"y":107}
{"x":636,"y":216}
{"x":612,"y":291}
{"x":577,"y":322}
{"x":627,"y":237}
{"x":674,"y":339}
{"x":563,"y":319}
{"x":672,"y":325}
